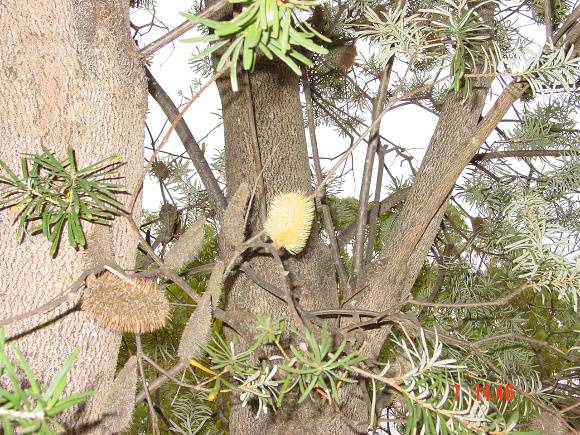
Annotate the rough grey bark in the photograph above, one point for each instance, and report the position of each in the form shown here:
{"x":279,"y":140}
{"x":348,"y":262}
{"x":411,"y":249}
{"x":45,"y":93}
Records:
{"x":71,"y":76}
{"x":281,"y":151}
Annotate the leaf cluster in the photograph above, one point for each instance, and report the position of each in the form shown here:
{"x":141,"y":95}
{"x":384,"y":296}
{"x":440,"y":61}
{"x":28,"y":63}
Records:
{"x":314,"y":369}
{"x":33,"y":408}
{"x":268,"y":27}
{"x":51,"y":195}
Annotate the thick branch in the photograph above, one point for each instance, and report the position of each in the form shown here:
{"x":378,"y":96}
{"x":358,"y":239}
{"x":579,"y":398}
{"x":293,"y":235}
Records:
{"x":189,"y":143}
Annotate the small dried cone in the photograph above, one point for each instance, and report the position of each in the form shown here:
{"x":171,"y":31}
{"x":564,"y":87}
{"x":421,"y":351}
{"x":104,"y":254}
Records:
{"x":233,"y":227}
{"x":160,"y":170}
{"x":167,"y":218}
{"x":339,"y":58}
{"x":198,"y":328}
{"x":117,"y":398}
{"x":126,"y":304}
{"x":187,"y":246}
{"x":477,"y":224}
{"x":346,"y":57}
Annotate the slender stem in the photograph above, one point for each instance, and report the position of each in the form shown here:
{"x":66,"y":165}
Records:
{"x":364,"y":134}
{"x":524,"y":154}
{"x":499,"y":302}
{"x":357,"y":257}
{"x":326,"y":214}
{"x":374,"y":212}
{"x":152,"y":414}
{"x":189,"y":143}
{"x":162,"y":269}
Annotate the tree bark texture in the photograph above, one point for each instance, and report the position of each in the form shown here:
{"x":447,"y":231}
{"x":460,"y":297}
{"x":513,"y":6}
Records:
{"x":71,"y":76}
{"x":272,"y":93}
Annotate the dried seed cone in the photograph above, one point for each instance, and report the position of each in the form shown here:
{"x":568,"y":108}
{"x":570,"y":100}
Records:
{"x":130,"y":305}
{"x":289,"y":221}
{"x":160,"y":170}
{"x":167,"y":218}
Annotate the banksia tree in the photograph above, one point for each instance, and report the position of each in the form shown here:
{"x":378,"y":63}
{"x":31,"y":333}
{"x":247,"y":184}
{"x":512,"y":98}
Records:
{"x":443,"y":298}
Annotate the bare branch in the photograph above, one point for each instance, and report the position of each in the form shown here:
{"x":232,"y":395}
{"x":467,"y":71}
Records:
{"x":326,"y":215}
{"x":523,"y":154}
{"x":503,"y":301}
{"x":215,"y":12}
{"x":178,"y":118}
{"x":189,"y":143}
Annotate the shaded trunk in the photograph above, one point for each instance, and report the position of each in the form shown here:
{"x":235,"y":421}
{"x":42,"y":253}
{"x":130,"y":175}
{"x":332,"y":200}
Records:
{"x":264,"y":131}
{"x":71,"y":76}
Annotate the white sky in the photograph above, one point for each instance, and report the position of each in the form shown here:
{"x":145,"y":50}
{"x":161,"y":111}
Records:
{"x":409,"y":126}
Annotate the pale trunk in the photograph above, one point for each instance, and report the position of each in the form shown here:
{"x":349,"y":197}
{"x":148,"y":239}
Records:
{"x":71,"y":76}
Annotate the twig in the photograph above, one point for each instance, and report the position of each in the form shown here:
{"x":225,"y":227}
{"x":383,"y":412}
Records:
{"x":189,"y":143}
{"x":287,"y":284}
{"x":361,"y":138}
{"x":374,"y":213}
{"x":524,"y":154}
{"x":498,"y":302}
{"x":357,"y":256}
{"x":152,"y":413}
{"x":67,"y":296}
{"x":164,"y":270}
{"x":495,"y":338}
{"x":161,"y":380}
{"x":386,"y":204}
{"x":173,"y":378}
{"x":326,"y":215}
{"x":548,"y":21}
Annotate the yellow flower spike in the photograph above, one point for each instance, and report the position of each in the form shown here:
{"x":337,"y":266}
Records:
{"x":200,"y":366}
{"x":289,"y":221}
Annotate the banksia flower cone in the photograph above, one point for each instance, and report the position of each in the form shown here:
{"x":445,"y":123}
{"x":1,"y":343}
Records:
{"x":289,"y":221}
{"x":126,"y":304}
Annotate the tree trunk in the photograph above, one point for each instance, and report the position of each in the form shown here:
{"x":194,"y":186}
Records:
{"x":71,"y":76}
{"x":264,"y":131}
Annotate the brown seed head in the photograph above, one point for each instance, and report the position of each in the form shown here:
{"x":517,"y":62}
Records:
{"x":126,"y":304}
{"x":346,"y":57}
{"x":160,"y":170}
